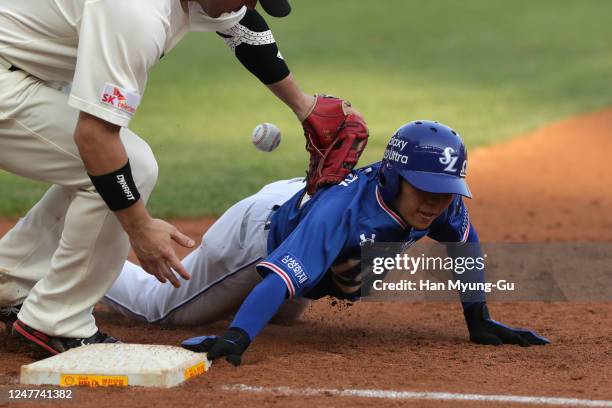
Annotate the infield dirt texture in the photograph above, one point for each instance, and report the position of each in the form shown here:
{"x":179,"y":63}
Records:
{"x":523,"y":191}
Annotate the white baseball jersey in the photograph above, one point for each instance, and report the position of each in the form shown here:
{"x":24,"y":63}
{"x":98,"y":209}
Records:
{"x":105,"y":48}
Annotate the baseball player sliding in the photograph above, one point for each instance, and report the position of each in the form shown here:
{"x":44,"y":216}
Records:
{"x":65,"y":254}
{"x":271,"y":252}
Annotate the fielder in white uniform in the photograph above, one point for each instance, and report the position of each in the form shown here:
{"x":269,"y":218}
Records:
{"x":65,"y":254}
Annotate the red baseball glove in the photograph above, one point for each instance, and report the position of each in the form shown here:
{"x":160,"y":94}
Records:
{"x":335,"y":139}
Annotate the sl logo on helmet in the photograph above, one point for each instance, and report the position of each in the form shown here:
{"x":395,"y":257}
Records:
{"x":450,"y":160}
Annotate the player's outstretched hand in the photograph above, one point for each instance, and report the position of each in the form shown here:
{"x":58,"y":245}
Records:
{"x":484,"y":330}
{"x":152,"y":243}
{"x":231,"y":346}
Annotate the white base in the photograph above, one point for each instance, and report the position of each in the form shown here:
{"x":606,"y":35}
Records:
{"x":122,"y":365}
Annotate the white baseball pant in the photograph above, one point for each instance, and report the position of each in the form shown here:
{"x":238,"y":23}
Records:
{"x":222,"y":269}
{"x":64,"y":255}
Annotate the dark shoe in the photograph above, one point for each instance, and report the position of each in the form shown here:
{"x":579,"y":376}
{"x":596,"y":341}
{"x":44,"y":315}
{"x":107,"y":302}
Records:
{"x":55,"y":345}
{"x":8,"y":315}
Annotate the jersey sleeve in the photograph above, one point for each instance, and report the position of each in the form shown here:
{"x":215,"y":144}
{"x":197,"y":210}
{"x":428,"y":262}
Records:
{"x":304,"y":257}
{"x":201,"y":22}
{"x":453,"y":225}
{"x":260,"y":306}
{"x":119,"y":41}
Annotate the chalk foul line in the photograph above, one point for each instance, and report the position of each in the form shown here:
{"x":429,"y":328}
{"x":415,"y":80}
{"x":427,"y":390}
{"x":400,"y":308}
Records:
{"x":409,"y":395}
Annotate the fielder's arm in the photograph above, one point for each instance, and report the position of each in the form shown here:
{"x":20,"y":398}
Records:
{"x":255,"y":47}
{"x":336,"y":133}
{"x":106,"y":160}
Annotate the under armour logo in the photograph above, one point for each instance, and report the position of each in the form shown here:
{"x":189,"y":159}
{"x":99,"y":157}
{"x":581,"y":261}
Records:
{"x":367,"y":241}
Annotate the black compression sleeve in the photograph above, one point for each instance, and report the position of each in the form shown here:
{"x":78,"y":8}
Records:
{"x":118,"y":189}
{"x":255,"y":47}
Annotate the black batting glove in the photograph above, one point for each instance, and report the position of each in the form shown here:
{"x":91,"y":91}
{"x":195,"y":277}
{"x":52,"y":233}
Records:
{"x":231,"y":346}
{"x":484,"y":330}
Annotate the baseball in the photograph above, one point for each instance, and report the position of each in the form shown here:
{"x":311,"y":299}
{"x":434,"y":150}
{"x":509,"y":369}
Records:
{"x":266,"y":137}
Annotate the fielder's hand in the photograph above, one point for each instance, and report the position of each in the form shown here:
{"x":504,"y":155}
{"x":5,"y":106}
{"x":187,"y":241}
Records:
{"x":484,"y":330}
{"x":336,"y":135}
{"x":152,"y":243}
{"x":231,"y":346}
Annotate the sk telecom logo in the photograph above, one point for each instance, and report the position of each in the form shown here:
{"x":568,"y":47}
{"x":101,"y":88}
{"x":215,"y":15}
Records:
{"x":115,"y":98}
{"x":120,"y":98}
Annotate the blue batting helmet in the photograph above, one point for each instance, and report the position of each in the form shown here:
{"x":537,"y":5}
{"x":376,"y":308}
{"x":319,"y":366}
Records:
{"x":429,"y":155}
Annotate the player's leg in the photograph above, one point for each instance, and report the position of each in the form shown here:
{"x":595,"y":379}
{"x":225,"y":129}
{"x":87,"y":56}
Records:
{"x":36,"y":141}
{"x":222,"y":264}
{"x":92,"y":249}
{"x":26,"y":250}
{"x":139,"y":296}
{"x":222,"y":269}
{"x":132,"y":293}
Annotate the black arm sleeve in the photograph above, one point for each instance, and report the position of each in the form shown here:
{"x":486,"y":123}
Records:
{"x":255,"y":47}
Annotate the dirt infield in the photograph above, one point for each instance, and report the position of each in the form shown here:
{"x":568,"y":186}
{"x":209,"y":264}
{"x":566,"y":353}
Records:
{"x":552,"y":185}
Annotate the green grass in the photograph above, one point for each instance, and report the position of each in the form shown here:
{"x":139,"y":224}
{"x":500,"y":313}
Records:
{"x":492,"y":69}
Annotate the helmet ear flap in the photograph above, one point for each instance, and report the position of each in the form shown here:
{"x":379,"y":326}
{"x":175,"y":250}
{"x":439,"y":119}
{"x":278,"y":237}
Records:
{"x":388,"y":180}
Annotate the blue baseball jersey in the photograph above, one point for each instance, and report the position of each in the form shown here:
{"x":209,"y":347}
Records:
{"x":307,"y":237}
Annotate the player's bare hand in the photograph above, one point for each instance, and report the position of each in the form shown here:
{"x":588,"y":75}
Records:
{"x":152,"y":243}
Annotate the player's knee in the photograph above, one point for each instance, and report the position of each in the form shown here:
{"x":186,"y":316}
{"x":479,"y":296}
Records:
{"x":147,"y":171}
